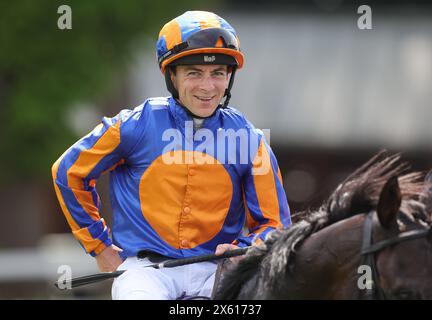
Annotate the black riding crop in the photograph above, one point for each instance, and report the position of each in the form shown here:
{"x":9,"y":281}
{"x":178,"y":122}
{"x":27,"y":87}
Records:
{"x":76,"y":282}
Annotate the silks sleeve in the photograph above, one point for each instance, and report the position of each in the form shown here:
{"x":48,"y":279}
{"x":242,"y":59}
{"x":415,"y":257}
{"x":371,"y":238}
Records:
{"x":264,"y":197}
{"x":75,"y":174}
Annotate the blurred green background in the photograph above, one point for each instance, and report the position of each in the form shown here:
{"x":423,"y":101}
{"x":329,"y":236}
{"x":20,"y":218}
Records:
{"x":44,"y":70}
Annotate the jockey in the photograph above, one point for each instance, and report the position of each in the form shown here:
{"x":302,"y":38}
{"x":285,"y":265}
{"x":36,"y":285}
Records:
{"x":187,"y":171}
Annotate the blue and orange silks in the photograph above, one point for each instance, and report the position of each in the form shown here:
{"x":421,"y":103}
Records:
{"x":170,"y":193}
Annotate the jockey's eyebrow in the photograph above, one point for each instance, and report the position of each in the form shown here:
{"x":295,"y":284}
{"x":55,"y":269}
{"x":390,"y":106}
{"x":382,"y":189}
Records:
{"x":193,"y":68}
{"x":220,"y":69}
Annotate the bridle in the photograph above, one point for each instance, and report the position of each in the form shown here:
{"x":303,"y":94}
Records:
{"x":369,"y":249}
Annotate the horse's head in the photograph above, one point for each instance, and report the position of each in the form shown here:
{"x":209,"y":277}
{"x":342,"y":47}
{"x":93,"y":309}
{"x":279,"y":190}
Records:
{"x":378,"y":218}
{"x":399,"y":251}
{"x":395,"y":236}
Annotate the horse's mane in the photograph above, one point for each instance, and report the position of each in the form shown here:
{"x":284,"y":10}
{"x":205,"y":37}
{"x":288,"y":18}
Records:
{"x":359,"y":193}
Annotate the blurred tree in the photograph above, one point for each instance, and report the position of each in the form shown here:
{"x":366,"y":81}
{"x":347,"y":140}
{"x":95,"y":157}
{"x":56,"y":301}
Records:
{"x":44,"y":70}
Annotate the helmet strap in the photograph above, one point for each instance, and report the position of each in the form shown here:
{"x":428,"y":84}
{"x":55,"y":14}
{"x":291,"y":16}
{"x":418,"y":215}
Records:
{"x":169,"y":83}
{"x":228,"y":90}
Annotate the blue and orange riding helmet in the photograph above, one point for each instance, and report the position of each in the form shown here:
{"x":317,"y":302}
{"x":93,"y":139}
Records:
{"x":198,"y":37}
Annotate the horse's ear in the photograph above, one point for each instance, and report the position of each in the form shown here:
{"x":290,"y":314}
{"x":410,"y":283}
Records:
{"x":427,"y":189}
{"x":426,"y":196}
{"x":389,"y":202}
{"x":428,"y":177}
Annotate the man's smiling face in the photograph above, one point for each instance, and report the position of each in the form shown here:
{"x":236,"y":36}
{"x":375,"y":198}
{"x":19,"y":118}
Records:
{"x":201,"y":87}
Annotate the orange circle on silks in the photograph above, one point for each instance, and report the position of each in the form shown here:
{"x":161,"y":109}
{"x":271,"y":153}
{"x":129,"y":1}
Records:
{"x":179,"y":180}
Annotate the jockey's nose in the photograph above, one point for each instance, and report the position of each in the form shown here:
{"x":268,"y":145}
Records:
{"x":207,"y":83}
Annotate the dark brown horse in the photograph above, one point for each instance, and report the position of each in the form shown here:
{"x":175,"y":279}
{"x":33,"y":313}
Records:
{"x":371,"y":239}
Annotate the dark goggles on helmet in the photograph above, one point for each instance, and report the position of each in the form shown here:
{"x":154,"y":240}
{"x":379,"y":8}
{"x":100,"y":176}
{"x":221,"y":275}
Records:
{"x":205,"y":38}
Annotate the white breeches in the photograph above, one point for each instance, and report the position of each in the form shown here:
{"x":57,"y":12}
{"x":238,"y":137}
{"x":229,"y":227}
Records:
{"x":138,"y":283}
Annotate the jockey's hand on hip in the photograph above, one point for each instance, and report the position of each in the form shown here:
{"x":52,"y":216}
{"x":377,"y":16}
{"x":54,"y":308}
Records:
{"x":221,"y":248}
{"x":109,"y":259}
